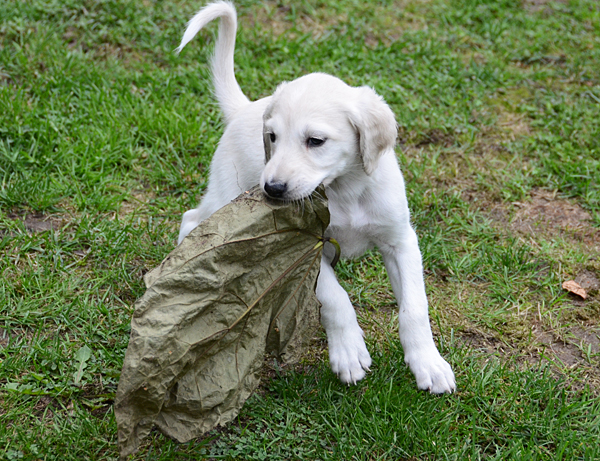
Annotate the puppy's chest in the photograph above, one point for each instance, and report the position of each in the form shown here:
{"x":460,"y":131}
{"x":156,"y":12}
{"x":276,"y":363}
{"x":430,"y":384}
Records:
{"x":352,"y":227}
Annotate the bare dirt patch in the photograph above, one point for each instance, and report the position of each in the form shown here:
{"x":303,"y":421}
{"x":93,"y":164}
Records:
{"x":38,"y":222}
{"x":547,"y":212}
{"x":513,"y":125}
{"x":588,"y":281}
{"x":4,"y":337}
{"x":546,"y":215}
{"x":23,"y":337}
{"x":586,"y":337}
{"x":389,"y":21}
{"x":436,"y":137}
{"x":478,"y":340}
{"x":535,"y":6}
{"x":550,"y":347}
{"x":44,"y":406}
{"x":277,"y":19}
{"x":574,"y":351}
{"x":76,"y":39}
{"x":138,"y":201}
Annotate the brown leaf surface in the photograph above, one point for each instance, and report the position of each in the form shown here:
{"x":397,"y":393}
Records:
{"x":240,"y":284}
{"x":573,"y":287}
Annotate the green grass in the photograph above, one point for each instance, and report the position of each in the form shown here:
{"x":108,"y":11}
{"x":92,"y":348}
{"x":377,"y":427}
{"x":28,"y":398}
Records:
{"x":106,"y":137}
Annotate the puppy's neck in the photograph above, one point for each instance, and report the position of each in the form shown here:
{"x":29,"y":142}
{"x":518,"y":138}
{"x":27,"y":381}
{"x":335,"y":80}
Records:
{"x":351,"y":185}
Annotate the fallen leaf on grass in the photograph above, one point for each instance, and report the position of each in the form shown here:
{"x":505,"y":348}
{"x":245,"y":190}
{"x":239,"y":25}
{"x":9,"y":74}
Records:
{"x":82,"y":356}
{"x":573,"y":287}
{"x":240,"y":284}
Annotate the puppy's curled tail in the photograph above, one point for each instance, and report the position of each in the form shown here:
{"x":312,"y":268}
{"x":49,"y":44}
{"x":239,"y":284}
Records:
{"x":227,"y":90}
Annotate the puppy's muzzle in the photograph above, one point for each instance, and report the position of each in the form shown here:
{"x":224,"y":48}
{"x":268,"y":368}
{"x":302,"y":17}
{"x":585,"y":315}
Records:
{"x":275,"y":190}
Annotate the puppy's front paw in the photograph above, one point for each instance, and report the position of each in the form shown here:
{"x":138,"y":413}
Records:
{"x":432,"y":372}
{"x":348,"y":356}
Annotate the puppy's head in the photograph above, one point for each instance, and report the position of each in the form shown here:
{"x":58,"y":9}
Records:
{"x":317,"y":129}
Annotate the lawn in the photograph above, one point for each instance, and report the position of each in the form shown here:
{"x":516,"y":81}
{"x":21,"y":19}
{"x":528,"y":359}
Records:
{"x":106,"y":136}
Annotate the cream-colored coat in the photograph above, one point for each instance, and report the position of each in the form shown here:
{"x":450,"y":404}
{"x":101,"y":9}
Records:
{"x":314,"y":130}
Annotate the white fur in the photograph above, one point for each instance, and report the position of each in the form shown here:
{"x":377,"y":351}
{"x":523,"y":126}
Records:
{"x":364,"y":185}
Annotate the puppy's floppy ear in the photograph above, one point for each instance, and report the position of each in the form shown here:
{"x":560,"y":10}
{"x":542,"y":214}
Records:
{"x":266,"y":136}
{"x":268,"y":113}
{"x":375,"y":125}
{"x":267,"y":144}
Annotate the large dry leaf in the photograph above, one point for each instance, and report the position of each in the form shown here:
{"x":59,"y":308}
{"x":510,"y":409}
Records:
{"x":240,"y":284}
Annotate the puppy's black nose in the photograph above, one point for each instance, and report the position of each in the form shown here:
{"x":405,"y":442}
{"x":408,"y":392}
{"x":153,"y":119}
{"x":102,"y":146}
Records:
{"x":275,"y":190}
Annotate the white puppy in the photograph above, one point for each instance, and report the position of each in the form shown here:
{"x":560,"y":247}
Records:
{"x":314,"y":130}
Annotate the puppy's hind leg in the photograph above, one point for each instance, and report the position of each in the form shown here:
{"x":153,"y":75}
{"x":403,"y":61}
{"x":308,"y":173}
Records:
{"x":211,"y":202}
{"x":190,"y":220}
{"x":348,"y":354}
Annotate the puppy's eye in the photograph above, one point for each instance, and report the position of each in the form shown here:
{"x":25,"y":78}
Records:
{"x":315,"y":142}
{"x":272,"y":137}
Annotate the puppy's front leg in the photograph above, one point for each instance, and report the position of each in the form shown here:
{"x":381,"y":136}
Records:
{"x":348,"y":355}
{"x":405,"y":269}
